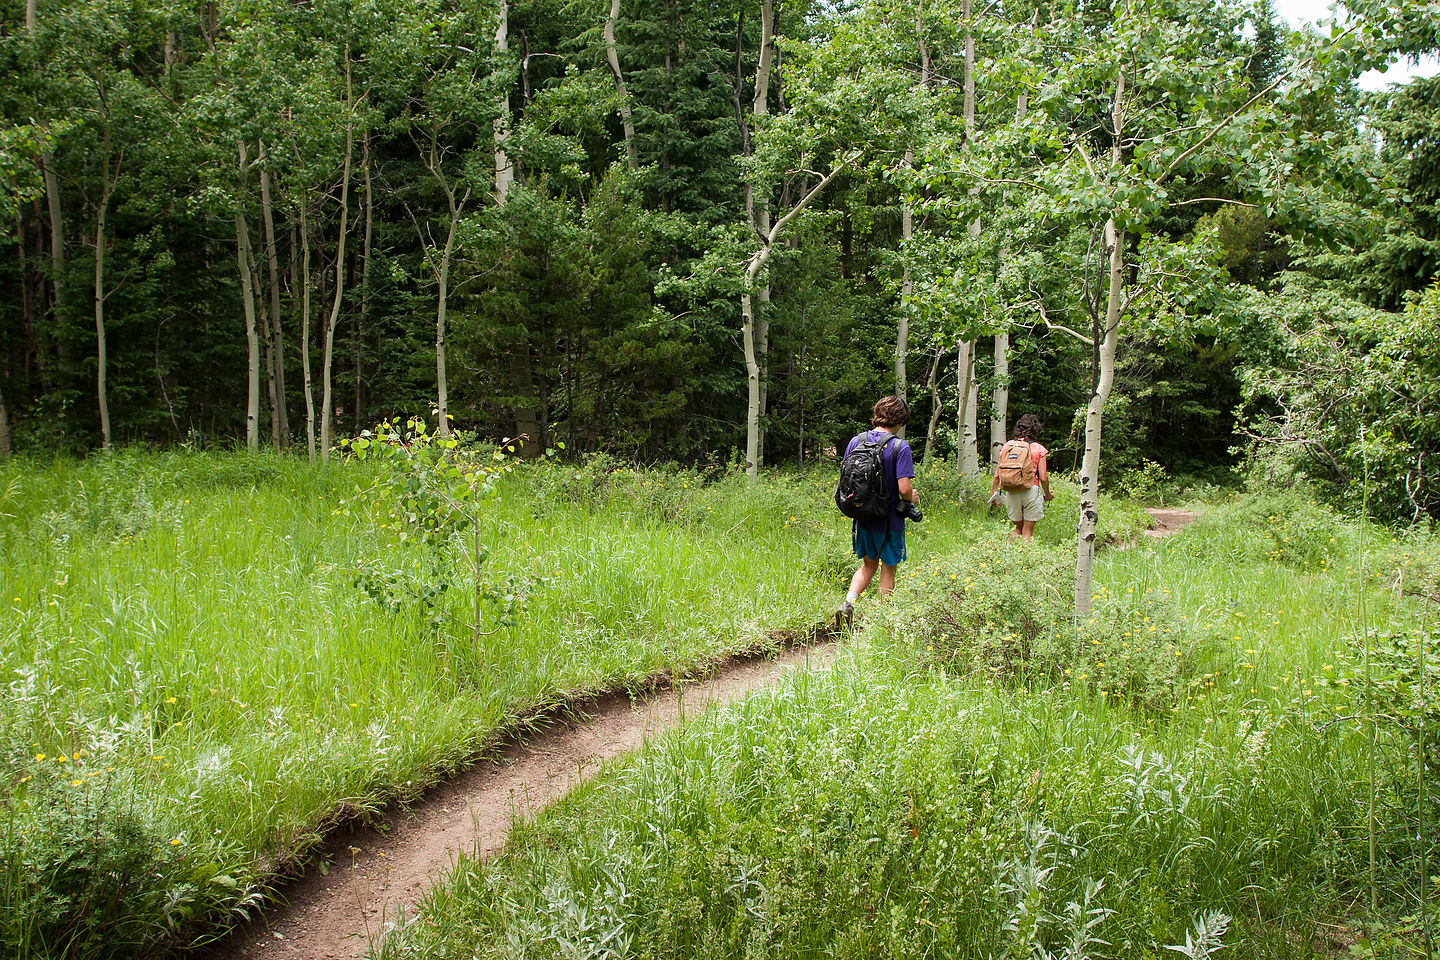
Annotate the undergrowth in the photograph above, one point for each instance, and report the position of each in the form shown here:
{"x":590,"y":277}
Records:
{"x":981,"y":776}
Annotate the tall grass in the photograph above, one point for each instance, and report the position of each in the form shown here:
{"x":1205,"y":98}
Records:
{"x":184,"y":641}
{"x":959,"y":787}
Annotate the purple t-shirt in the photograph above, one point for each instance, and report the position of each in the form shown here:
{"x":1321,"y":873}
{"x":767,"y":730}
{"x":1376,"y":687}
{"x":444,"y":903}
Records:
{"x":899,"y":462}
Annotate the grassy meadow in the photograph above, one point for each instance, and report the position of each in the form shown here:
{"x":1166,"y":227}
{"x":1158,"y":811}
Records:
{"x":1193,"y":769}
{"x":198,"y":684}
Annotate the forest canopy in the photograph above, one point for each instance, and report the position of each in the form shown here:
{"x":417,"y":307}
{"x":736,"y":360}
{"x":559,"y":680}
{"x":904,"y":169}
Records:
{"x":716,"y":233}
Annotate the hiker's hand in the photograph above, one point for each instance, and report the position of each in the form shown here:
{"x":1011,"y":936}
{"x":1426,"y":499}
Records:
{"x":1049,"y":496}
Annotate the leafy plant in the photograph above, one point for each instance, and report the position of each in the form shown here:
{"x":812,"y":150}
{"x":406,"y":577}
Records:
{"x":89,"y":871}
{"x":1401,"y":691}
{"x":1006,"y":611}
{"x":428,"y":487}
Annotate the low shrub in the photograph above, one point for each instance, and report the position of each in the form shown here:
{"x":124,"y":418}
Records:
{"x":1007,"y":610}
{"x":89,"y":870}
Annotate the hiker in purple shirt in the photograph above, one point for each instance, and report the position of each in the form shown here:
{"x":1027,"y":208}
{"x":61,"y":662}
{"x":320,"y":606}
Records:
{"x":881,"y":544}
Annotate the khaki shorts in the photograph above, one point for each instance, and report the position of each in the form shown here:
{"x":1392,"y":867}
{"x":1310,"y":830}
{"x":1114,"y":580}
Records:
{"x":1025,"y":504}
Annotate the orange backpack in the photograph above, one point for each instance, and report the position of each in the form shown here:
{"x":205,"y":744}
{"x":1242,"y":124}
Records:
{"x":1015,"y":468}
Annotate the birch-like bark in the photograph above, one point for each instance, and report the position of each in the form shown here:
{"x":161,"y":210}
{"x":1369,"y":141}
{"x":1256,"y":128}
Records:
{"x":969,"y":390}
{"x":1094,"y":411}
{"x":280,"y":415}
{"x":1000,"y":400}
{"x":612,"y":57}
{"x":57,"y":243}
{"x":969,"y":453}
{"x":107,"y":185}
{"x":755,"y":331}
{"x":933,"y":385}
{"x":267,"y":344}
{"x":327,"y":412}
{"x":365,"y":251}
{"x":305,"y":332}
{"x":247,"y":304}
{"x":753,"y":268}
{"x":907,"y":230}
{"x":504,"y":169}
{"x":442,"y":276}
{"x":1000,"y":407}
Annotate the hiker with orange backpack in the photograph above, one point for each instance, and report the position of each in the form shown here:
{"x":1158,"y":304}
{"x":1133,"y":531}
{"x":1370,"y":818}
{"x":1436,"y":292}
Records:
{"x":1020,"y":474}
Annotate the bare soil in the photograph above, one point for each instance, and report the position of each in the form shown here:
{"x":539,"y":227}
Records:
{"x":1168,"y":520}
{"x":366,"y":878}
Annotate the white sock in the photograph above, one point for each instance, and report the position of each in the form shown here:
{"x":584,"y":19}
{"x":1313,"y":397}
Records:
{"x":852,"y":598}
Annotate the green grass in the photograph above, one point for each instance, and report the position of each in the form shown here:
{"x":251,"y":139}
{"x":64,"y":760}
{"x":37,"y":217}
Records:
{"x":947,"y":790}
{"x":198,"y":687}
{"x":185,"y":632}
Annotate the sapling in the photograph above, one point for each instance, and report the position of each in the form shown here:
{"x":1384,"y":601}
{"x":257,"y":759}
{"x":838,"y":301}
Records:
{"x":430,"y":488}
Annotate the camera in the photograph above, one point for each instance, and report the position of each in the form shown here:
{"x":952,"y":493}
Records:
{"x":910,"y":511}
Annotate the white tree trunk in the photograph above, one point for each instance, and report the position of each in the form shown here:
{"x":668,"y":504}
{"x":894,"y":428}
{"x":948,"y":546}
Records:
{"x":969,"y":440}
{"x":305,"y":333}
{"x":1000,"y":408}
{"x":1094,"y":413}
{"x":933,"y":385}
{"x":965,"y":411}
{"x":100,"y":352}
{"x":1095,"y":410}
{"x":247,"y":304}
{"x":753,"y":268}
{"x":327,"y":412}
{"x":752,"y":379}
{"x":907,"y":285}
{"x":753,"y":333}
{"x":57,"y":241}
{"x":504,"y":169}
{"x":612,"y":57}
{"x":442,"y":385}
{"x":277,"y":348}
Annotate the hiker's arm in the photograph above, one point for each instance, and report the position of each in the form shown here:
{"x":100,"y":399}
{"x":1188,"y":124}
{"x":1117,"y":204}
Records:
{"x":1042,"y":473}
{"x":907,"y":490}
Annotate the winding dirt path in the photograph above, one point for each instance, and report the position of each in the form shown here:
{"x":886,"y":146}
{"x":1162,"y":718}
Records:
{"x":1168,"y":520}
{"x":372,"y":876}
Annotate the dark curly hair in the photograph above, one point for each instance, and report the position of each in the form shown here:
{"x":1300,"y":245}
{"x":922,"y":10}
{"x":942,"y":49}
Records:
{"x":890,"y":412}
{"x":1028,"y":427}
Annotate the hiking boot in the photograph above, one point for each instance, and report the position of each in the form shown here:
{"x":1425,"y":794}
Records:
{"x":844,"y":615}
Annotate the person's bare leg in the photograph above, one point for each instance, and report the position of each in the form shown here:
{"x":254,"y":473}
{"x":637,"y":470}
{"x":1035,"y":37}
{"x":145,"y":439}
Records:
{"x":1027,"y":529}
{"x":860,"y":582}
{"x":1019,"y":530}
{"x":887,"y":579}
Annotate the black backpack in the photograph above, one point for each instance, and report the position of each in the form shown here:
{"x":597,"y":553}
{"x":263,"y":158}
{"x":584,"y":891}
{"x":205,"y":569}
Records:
{"x":861,"y":493}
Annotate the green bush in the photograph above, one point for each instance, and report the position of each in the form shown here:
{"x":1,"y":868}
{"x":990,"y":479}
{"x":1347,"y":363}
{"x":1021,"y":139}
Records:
{"x":1007,"y":610}
{"x":90,"y":872}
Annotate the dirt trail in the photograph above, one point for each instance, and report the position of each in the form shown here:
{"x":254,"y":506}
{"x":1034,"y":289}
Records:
{"x":373,"y":875}
{"x":1168,"y":520}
